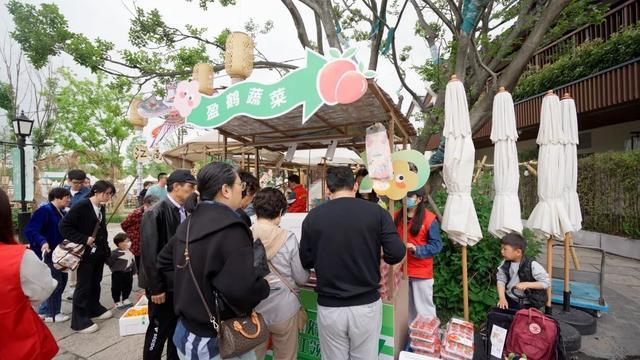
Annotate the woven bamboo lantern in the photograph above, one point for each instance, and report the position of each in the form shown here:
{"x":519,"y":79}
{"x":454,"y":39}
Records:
{"x":135,"y":118}
{"x":238,"y":57}
{"x":203,"y":74}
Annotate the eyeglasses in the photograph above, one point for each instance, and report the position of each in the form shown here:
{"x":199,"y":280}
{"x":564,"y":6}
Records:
{"x":109,"y":194}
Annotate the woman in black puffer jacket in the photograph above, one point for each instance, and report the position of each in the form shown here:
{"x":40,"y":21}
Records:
{"x":221,"y":256}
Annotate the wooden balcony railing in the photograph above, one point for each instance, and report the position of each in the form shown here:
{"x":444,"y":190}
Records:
{"x":622,"y":16}
{"x":608,"y":88}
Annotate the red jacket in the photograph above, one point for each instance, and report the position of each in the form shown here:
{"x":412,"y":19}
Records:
{"x":131,"y":226}
{"x":416,"y":267}
{"x":300,"y":205}
{"x":25,"y":336}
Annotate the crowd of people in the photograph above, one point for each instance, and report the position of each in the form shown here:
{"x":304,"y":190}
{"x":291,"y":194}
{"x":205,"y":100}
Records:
{"x":192,"y":241}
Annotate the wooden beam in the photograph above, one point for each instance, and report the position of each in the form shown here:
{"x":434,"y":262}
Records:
{"x":328,"y":123}
{"x":264,"y":123}
{"x":301,"y":140}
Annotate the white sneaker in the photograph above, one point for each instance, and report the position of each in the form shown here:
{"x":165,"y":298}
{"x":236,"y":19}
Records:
{"x":127,"y":303}
{"x":105,"y":315}
{"x":117,"y":305}
{"x":91,"y":329}
{"x":60,"y":317}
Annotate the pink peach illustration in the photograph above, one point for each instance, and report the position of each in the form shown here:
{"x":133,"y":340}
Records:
{"x":330,"y":75}
{"x":351,"y":86}
{"x":187,"y":97}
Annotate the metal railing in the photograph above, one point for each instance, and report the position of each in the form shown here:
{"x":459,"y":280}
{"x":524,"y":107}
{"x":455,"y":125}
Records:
{"x":622,"y":16}
{"x":610,"y":87}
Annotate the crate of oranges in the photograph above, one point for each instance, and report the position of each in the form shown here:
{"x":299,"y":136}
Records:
{"x":136,"y":319}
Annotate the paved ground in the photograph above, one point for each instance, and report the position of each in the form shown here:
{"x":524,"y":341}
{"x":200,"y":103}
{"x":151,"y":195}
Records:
{"x":617,"y":336}
{"x":618,"y":330}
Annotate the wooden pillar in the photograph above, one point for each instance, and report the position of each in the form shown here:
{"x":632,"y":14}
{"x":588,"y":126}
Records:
{"x":224,"y":142}
{"x":550,"y":271}
{"x":258,"y":163}
{"x":465,"y":284}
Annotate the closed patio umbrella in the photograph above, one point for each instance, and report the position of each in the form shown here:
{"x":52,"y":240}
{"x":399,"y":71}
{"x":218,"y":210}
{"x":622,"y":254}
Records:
{"x":460,"y":220}
{"x":570,"y":128}
{"x":505,"y":213}
{"x":550,"y":218}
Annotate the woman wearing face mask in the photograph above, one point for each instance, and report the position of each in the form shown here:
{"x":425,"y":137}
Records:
{"x":220,"y":253}
{"x":86,"y":218}
{"x":423,"y":243}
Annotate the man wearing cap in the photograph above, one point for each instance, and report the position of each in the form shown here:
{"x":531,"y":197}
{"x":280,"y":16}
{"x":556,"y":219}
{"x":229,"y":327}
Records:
{"x":159,"y":223}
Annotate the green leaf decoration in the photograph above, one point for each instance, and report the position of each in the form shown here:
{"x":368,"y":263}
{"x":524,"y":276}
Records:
{"x":334,"y":53}
{"x":361,"y":67}
{"x":369,"y":74}
{"x":349,"y":53}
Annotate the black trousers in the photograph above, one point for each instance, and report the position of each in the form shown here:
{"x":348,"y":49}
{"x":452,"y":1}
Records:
{"x":162,"y":324}
{"x":86,"y":297}
{"x":121,"y":284}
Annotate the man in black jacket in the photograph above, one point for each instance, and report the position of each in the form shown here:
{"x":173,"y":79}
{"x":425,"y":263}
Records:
{"x":341,"y":239}
{"x":159,"y":223}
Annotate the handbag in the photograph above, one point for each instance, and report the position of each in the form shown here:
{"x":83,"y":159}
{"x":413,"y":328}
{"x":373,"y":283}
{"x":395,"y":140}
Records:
{"x":238,"y":335}
{"x":67,"y":255}
{"x":302,"y":313}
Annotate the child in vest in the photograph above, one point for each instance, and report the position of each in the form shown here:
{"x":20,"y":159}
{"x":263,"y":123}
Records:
{"x":521,"y":281}
{"x":423,"y":243}
{"x":123,"y":266}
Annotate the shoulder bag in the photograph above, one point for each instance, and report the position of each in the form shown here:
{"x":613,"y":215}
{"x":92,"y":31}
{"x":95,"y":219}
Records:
{"x":302,"y":313}
{"x":236,"y":336}
{"x":67,"y":255}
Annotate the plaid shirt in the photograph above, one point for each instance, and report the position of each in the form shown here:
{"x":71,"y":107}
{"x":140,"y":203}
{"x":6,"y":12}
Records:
{"x":131,"y":226}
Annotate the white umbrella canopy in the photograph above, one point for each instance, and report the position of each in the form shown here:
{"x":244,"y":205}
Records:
{"x":570,"y":128}
{"x":460,"y":220}
{"x":505,"y":213}
{"x":550,"y":218}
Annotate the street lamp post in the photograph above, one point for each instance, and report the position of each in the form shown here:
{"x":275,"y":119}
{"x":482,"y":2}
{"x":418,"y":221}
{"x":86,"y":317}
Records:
{"x":22,"y":127}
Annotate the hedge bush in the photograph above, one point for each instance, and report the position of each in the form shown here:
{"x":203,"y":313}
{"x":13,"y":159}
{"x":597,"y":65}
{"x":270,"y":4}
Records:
{"x":587,"y":59}
{"x":609,"y":191}
{"x":483,"y":260}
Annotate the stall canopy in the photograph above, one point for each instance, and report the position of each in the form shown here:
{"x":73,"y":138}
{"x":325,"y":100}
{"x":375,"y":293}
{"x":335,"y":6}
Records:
{"x":345,"y":123}
{"x":342,"y":156}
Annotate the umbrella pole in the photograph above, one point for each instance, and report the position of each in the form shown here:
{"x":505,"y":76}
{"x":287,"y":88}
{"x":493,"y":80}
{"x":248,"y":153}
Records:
{"x":465,"y":284}
{"x":566,"y":295}
{"x":550,"y":271}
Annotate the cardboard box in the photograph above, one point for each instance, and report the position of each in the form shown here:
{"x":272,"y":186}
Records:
{"x":131,"y":325}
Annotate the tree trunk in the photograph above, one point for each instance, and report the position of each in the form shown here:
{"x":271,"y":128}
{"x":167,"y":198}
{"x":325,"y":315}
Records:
{"x":377,"y":40}
{"x":329,"y":24}
{"x":297,"y":20}
{"x":509,"y":77}
{"x":319,"y":38}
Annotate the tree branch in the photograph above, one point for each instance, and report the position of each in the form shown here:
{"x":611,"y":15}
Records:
{"x":299,"y":23}
{"x":442,"y":16}
{"x":485,"y":67}
{"x":413,"y":94}
{"x":456,"y":12}
{"x":511,"y":74}
{"x":311,"y":4}
{"x":431,"y":36}
{"x":319,"y":38}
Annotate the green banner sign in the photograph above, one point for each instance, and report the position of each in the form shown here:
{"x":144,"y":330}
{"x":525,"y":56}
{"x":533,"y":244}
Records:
{"x":336,"y":80}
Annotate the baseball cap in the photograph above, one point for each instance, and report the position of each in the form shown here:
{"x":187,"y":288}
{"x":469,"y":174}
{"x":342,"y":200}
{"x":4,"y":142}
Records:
{"x":181,"y":176}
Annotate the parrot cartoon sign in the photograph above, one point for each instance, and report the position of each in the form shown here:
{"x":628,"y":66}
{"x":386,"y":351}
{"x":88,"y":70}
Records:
{"x":404,"y":180}
{"x":337,"y":80}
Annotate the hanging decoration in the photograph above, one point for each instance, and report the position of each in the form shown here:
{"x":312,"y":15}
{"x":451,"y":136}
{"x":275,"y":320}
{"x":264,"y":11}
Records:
{"x":403,"y":179}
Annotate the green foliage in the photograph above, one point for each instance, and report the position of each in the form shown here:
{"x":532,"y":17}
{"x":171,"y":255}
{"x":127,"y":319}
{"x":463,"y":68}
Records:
{"x":6,"y":97}
{"x":609,"y":190}
{"x":575,"y":15}
{"x":589,"y":58}
{"x":93,"y":123}
{"x":483,"y":260}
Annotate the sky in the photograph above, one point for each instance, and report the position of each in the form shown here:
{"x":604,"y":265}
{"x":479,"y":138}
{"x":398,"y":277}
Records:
{"x":110,"y":20}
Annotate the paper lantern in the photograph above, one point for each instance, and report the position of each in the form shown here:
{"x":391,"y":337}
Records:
{"x":137,"y":120}
{"x":238,"y":56}
{"x":203,"y":74}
